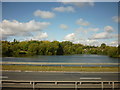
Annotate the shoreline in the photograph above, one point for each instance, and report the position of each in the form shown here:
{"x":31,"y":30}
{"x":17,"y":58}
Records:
{"x":44,"y":63}
{"x":28,"y":68}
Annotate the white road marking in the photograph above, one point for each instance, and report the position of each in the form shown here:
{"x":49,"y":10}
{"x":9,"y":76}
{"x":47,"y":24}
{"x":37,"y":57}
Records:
{"x":3,"y":77}
{"x":58,"y":71}
{"x":89,"y":78}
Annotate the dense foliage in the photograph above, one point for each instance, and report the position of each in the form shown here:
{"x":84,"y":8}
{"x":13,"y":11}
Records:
{"x":30,"y":48}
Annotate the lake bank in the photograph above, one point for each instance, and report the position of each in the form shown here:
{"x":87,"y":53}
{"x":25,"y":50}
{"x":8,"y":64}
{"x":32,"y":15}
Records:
{"x":59,"y":68}
{"x":62,"y":64}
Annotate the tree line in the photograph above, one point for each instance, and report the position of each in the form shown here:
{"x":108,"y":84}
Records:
{"x":33,"y":47}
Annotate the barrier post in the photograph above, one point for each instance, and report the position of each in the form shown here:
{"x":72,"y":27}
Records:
{"x":112,"y":85}
{"x":102,"y":85}
{"x":33,"y":85}
{"x":75,"y":85}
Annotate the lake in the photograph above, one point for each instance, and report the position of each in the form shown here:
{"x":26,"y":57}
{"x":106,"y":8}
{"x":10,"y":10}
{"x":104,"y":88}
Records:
{"x":64,"y":59}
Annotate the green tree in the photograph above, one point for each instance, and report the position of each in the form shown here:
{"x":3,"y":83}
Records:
{"x":33,"y":49}
{"x":113,"y":51}
{"x":6,"y":51}
{"x":79,"y":50}
{"x":23,"y":45}
{"x":103,"y":45}
{"x":60,"y":50}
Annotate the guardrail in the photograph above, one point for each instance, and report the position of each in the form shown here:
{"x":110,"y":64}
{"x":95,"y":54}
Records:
{"x":61,"y":84}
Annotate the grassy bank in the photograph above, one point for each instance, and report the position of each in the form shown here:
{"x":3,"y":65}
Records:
{"x":58,"y":68}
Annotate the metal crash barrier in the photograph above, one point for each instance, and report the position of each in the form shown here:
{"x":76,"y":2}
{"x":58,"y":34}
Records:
{"x":62,"y":84}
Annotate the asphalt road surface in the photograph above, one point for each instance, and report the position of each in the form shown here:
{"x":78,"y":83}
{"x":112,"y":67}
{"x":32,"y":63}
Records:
{"x":59,"y":76}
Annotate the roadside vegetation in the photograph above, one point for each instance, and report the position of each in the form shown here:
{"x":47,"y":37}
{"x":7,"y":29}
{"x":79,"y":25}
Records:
{"x":59,"y":68}
{"x":32,"y":47}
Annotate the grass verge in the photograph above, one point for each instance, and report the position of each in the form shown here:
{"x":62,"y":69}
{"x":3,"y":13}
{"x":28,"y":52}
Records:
{"x":59,"y":68}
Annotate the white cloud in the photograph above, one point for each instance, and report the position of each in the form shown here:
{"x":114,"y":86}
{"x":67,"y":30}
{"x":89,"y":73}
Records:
{"x":99,"y":42}
{"x":13,"y":28}
{"x":39,"y":36}
{"x":116,"y":19}
{"x":64,"y":9}
{"x":90,"y":42}
{"x":63,"y":26}
{"x":73,"y":37}
{"x":70,"y":37}
{"x":80,"y":3}
{"x":86,"y":30}
{"x":114,"y":43}
{"x":94,"y":29}
{"x":81,"y":29}
{"x":44,"y":14}
{"x":108,"y":29}
{"x":82,"y":22}
{"x":107,"y":34}
{"x":104,"y":35}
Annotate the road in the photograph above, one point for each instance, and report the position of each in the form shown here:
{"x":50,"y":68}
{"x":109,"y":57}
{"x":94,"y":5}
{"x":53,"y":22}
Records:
{"x":59,"y":76}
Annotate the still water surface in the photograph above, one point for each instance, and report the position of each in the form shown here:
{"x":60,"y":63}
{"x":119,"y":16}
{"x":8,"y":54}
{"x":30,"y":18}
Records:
{"x":64,"y":59}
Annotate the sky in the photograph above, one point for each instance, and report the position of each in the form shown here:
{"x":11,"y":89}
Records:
{"x":88,"y":23}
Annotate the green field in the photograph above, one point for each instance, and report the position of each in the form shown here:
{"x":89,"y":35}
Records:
{"x":59,"y":68}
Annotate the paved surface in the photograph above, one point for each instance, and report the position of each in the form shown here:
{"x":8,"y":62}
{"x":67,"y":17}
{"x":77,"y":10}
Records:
{"x":59,"y":76}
